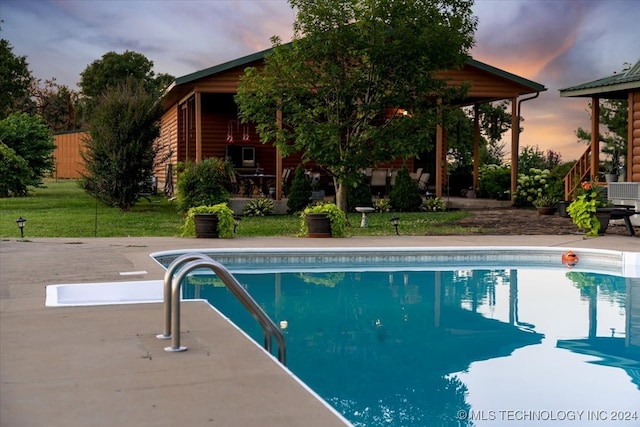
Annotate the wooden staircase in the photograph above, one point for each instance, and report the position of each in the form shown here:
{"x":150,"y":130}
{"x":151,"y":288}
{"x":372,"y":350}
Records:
{"x":580,"y":172}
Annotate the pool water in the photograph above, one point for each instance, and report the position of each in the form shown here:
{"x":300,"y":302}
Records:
{"x":458,"y":347}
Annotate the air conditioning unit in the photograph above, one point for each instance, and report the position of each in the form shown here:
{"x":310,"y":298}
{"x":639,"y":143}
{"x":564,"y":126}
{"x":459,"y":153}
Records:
{"x":626,"y":193}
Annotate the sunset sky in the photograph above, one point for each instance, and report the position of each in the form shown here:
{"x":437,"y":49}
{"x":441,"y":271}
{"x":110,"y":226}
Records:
{"x":557,"y":43}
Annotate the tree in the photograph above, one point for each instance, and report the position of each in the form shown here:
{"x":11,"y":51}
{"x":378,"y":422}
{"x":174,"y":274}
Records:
{"x":119,"y":156}
{"x":15,"y":175}
{"x":56,"y":104}
{"x":357,"y":84}
{"x":15,"y":80}
{"x":30,"y":139}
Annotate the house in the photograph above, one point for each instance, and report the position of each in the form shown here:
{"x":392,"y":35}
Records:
{"x":200,"y":119}
{"x":624,"y":85}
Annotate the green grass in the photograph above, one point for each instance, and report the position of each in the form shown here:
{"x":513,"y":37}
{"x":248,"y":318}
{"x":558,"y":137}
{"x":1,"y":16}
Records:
{"x":63,"y":209}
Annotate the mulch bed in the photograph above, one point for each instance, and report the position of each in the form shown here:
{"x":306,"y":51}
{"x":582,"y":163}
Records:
{"x":526,"y":222}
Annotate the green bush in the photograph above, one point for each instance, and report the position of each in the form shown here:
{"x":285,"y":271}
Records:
{"x":15,"y":174}
{"x":30,"y":139}
{"x":120,"y":154}
{"x":493,"y":180}
{"x":203,"y":184}
{"x":259,"y":207}
{"x":359,"y":195}
{"x":531,"y":186}
{"x":405,"y":195}
{"x":556,"y":180}
{"x":434,"y":204}
{"x":382,"y":205}
{"x":300,"y":191}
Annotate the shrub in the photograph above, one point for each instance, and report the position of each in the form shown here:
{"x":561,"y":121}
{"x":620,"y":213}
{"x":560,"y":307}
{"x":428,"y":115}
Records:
{"x":300,"y":191}
{"x":531,"y":186}
{"x":204,"y":183}
{"x":259,"y":207}
{"x":382,"y":205}
{"x":493,"y":180}
{"x":15,"y":174}
{"x":119,"y":156}
{"x":405,"y":195}
{"x":434,"y":204}
{"x":358,"y":195}
{"x":30,"y":139}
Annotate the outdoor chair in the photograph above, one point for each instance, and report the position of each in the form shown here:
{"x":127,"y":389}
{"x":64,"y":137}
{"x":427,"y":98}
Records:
{"x":378,"y":180}
{"x":423,"y":181}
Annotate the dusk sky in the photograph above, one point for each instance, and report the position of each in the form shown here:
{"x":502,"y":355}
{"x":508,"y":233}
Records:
{"x":557,"y":43}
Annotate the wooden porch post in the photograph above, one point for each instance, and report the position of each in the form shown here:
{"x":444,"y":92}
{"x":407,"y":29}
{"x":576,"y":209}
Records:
{"x":198,"y":127}
{"x":595,"y":137}
{"x":476,"y":146}
{"x":515,"y":145}
{"x":440,"y":153}
{"x":279,"y":161}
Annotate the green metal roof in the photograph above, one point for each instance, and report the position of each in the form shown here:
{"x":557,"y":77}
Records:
{"x":208,"y":72}
{"x":615,"y":86}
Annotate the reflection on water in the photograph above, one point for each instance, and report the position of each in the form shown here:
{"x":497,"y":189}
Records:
{"x":417,"y":348}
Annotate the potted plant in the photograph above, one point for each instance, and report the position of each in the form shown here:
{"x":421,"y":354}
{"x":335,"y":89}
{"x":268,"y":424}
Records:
{"x":590,"y":210}
{"x":209,"y":221}
{"x":546,"y":205}
{"x":323,"y":220}
{"x":613,"y":166}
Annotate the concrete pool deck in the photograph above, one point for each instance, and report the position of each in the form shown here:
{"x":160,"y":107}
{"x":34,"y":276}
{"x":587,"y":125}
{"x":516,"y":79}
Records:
{"x":102,"y":365}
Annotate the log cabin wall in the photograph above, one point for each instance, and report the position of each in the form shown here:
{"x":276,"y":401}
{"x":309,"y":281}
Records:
{"x":634,"y":137}
{"x":168,"y":143}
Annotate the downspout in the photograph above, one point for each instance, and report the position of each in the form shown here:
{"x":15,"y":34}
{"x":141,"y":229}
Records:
{"x":515,"y":148}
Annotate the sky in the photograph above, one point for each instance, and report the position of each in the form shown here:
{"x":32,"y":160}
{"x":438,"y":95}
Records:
{"x":557,"y":43}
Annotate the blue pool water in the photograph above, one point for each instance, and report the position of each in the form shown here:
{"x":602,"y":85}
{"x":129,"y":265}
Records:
{"x":458,"y":347}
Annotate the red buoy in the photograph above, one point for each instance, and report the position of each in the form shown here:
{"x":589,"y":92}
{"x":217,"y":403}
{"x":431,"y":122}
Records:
{"x":569,"y":259}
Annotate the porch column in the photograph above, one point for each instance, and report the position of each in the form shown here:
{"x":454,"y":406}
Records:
{"x":595,"y":137}
{"x":198,"y":127}
{"x":476,"y":146}
{"x":440,"y":153}
{"x":278,"y":160}
{"x":515,"y":145}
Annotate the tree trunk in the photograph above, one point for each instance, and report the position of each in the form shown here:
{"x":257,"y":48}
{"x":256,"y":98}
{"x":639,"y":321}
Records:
{"x":341,"y":196}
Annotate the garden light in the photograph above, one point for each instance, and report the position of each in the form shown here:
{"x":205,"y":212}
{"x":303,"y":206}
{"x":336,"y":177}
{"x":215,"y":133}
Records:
{"x":20,"y":221}
{"x":395,"y":221}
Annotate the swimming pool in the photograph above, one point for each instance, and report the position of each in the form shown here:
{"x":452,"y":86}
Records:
{"x":450,"y":337}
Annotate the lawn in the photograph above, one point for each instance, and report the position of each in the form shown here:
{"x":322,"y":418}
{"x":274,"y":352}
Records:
{"x":63,"y":209}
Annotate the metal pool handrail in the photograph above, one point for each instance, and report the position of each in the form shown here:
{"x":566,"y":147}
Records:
{"x":168,"y":276}
{"x":269,"y":328}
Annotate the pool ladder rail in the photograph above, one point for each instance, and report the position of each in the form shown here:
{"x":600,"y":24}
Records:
{"x":171,"y":307}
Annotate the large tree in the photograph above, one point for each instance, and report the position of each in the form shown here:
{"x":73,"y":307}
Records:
{"x":119,"y":156}
{"x":116,"y":68}
{"x":357,"y":84}
{"x":15,"y":81}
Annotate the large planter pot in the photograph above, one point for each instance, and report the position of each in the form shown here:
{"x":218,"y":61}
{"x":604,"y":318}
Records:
{"x":547,"y":210}
{"x":562,"y":208}
{"x":603,"y":215}
{"x":206,"y":225}
{"x":611,"y":177}
{"x":319,"y":225}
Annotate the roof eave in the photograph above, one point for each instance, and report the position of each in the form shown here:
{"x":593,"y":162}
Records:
{"x":601,"y":90}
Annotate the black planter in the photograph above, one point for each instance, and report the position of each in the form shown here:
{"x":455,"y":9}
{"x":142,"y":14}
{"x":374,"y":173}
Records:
{"x":562,"y":208}
{"x":206,"y":225}
{"x":319,"y":225}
